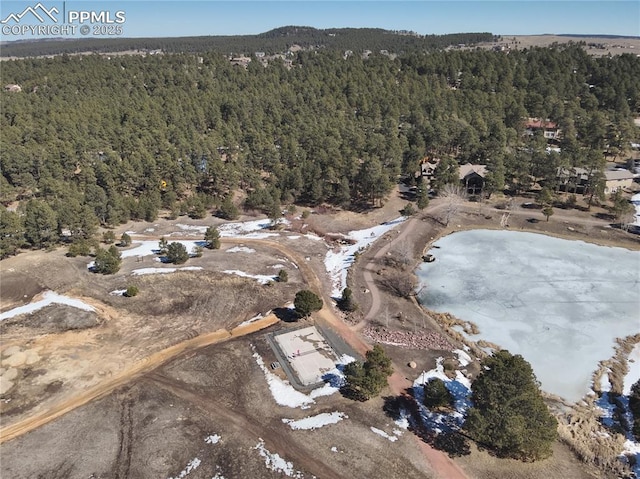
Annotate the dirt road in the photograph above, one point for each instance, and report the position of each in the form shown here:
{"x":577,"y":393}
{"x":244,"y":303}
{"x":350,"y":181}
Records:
{"x":146,"y":365}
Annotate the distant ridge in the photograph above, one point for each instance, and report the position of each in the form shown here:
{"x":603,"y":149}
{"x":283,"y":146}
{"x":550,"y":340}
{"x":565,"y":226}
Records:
{"x":586,"y":35}
{"x":274,"y":41}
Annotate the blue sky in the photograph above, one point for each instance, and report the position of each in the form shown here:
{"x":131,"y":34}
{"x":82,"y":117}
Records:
{"x":170,"y":18}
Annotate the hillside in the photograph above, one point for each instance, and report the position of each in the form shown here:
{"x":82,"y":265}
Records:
{"x":274,"y":41}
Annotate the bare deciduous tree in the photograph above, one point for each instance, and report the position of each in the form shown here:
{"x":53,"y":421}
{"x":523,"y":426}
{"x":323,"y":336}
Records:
{"x":455,"y":196}
{"x":401,"y":285}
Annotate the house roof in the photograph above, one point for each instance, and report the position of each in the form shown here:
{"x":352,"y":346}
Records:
{"x":466,"y":170}
{"x":538,"y":123}
{"x":617,"y":175}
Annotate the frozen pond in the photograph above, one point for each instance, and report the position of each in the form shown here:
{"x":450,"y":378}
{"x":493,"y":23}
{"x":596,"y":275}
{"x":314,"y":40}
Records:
{"x":558,"y":303}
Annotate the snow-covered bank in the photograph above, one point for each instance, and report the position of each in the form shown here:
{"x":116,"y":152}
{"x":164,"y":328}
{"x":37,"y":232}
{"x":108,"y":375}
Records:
{"x":49,"y":297}
{"x":338,"y":260}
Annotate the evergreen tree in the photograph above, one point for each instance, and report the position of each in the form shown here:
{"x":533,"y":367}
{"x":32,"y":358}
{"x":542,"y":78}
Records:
{"x":40,"y":224}
{"x":367,"y":380}
{"x":509,"y":414}
{"x":436,"y":394}
{"x":347,"y":303}
{"x":177,"y":253}
{"x":107,"y":261}
{"x":11,"y":233}
{"x":212,"y":237}
{"x":422,"y":194}
{"x":125,"y":240}
{"x":306,"y":302}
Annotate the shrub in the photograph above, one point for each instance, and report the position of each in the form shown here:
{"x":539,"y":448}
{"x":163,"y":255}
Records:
{"x":108,"y":237}
{"x":79,"y":248}
{"x":212,"y":237}
{"x":283,"y":276}
{"x":347,"y":303}
{"x":177,"y":253}
{"x":436,"y":394}
{"x":125,"y":240}
{"x":408,"y":210}
{"x":228,"y":210}
{"x":107,"y":261}
{"x":131,"y":291}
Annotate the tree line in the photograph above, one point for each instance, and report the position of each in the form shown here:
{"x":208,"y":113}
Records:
{"x":96,"y":141}
{"x":272,"y":42}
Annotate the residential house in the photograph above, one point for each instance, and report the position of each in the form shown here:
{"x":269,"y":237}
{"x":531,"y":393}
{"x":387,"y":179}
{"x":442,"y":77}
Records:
{"x":473,"y":178}
{"x":427,"y":169}
{"x":572,"y":179}
{"x":549,"y":129}
{"x":617,"y":179}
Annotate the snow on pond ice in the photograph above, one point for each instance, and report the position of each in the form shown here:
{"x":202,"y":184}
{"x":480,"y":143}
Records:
{"x":261,"y":278}
{"x":49,"y":297}
{"x":143,"y":271}
{"x":276,"y":463}
{"x":338,"y":260}
{"x":558,"y":303}
{"x":317,"y":421}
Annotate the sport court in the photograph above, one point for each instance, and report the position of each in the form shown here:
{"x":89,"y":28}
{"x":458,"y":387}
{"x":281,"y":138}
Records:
{"x":308,"y":353}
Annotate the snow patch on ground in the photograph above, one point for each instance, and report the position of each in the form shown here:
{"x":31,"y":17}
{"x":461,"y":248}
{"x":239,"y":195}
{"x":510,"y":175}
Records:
{"x":118,"y":292}
{"x":212,"y":439}
{"x":286,"y":395}
{"x":380,"y":432}
{"x":276,"y":463}
{"x":281,"y":390}
{"x":252,"y":320}
{"x":49,"y":297}
{"x":143,"y":271}
{"x":191,"y":466}
{"x":315,"y":422}
{"x":241,"y":249}
{"x":199,"y":229}
{"x":277,"y":266}
{"x":338,"y":260}
{"x":463,"y":358}
{"x":460,"y":389}
{"x":261,"y":278}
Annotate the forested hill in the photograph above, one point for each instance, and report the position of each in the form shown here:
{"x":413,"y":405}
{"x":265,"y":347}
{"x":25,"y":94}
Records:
{"x":90,"y":140}
{"x":272,"y":42}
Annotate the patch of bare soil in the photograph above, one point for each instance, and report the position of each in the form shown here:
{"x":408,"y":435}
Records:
{"x":77,"y":350}
{"x":158,"y":425}
{"x":563,"y":463}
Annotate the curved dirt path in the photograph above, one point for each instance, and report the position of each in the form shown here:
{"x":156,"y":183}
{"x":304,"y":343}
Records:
{"x":141,"y":367}
{"x":441,"y":464}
